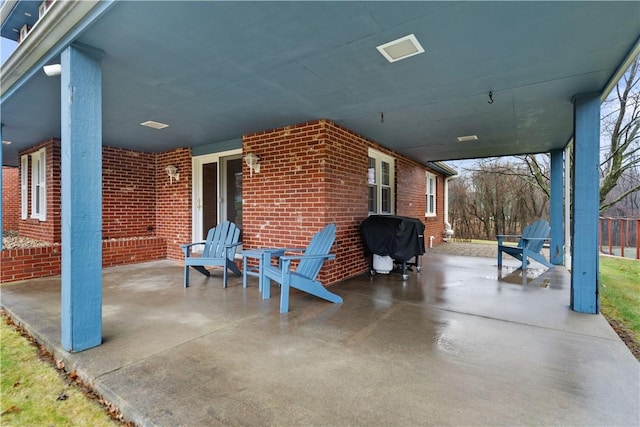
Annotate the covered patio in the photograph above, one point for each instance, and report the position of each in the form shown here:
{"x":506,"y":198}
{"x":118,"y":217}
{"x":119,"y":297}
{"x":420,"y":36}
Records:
{"x":456,"y":344}
{"x":180,"y":80}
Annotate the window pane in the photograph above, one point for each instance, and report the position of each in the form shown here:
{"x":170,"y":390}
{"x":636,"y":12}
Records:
{"x":385,"y":173}
{"x":371,"y":177}
{"x":24,"y":191}
{"x":386,"y":200}
{"x":373,"y":200}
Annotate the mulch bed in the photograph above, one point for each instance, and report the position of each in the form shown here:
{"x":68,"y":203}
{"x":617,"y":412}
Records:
{"x":626,"y":336}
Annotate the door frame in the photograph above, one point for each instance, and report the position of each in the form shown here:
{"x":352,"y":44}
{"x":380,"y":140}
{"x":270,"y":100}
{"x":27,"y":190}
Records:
{"x":197,"y":187}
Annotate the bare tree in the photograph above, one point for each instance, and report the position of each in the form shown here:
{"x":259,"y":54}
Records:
{"x":620,"y":141}
{"x":493,"y":198}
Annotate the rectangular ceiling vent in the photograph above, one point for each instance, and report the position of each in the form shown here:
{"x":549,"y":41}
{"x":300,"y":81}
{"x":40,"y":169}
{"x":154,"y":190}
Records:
{"x":402,"y":48}
{"x":467,"y":138}
{"x":154,"y":125}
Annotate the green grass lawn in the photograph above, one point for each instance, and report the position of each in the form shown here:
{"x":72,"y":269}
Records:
{"x":620,"y":292}
{"x":34,"y":394}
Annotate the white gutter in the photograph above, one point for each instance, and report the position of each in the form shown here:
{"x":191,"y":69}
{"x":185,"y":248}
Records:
{"x":61,"y":18}
{"x":5,"y":9}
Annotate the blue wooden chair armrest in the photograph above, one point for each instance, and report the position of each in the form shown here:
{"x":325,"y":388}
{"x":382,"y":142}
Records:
{"x":189,"y":245}
{"x":294,"y":257}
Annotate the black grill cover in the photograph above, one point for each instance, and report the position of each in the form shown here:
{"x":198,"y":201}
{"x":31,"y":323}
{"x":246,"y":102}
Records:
{"x":399,"y":237}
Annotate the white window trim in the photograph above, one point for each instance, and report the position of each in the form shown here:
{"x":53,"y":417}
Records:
{"x":379,"y":158}
{"x":39,"y":184}
{"x":429,"y":177}
{"x":24,"y":187}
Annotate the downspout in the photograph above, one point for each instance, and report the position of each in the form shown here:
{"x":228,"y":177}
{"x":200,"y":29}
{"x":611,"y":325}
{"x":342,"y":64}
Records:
{"x":448,"y":231}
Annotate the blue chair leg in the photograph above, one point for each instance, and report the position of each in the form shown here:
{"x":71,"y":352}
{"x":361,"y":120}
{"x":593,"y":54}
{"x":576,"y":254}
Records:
{"x":499,"y":258}
{"x":186,"y":276}
{"x":263,"y":280}
{"x":244,"y":272}
{"x":224,"y":276}
{"x":285,"y":285}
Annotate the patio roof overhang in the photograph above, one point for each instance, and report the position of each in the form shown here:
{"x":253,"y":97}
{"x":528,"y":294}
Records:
{"x":214,"y":71}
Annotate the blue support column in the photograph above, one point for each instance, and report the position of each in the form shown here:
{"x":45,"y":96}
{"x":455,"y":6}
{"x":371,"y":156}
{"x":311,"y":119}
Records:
{"x":557,"y":208}
{"x":81,"y":148}
{"x":586,"y":202}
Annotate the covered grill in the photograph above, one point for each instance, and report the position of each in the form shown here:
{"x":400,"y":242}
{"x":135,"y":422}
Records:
{"x":399,"y":237}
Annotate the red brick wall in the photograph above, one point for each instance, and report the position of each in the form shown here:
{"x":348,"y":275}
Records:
{"x":411,"y":200}
{"x":133,"y":250}
{"x":29,"y":263}
{"x":347,"y":199}
{"x":128,"y":193}
{"x":315,"y":173}
{"x":128,"y":205}
{"x":173,"y":201}
{"x":49,"y":230}
{"x":10,"y":198}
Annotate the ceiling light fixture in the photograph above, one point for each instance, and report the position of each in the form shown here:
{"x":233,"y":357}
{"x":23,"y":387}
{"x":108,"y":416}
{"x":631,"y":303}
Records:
{"x":467,"y":138}
{"x":402,"y":48}
{"x":52,"y":70}
{"x":154,"y":125}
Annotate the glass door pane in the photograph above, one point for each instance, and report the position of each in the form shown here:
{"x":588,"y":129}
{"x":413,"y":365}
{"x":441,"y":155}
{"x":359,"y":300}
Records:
{"x":209,"y":197}
{"x":234,"y":191}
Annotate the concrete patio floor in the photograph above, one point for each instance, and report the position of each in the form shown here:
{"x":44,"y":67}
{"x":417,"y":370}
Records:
{"x":454,"y":345}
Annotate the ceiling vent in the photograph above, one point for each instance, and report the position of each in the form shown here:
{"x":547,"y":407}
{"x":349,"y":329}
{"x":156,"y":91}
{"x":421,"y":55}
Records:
{"x":154,"y":125}
{"x":401,"y":48}
{"x":467,"y":138}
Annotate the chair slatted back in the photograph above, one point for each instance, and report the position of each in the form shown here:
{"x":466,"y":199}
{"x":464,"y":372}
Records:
{"x":225,"y":233}
{"x":319,"y":245}
{"x":539,"y":229}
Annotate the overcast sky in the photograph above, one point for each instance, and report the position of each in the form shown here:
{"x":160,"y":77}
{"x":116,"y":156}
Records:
{"x":7,"y":47}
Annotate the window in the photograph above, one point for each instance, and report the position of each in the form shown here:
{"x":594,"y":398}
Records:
{"x":39,"y":185}
{"x":381,"y":183}
{"x":24,"y":187}
{"x":430,"y":195}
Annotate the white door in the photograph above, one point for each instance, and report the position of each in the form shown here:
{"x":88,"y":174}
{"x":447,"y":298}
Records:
{"x":217,"y":191}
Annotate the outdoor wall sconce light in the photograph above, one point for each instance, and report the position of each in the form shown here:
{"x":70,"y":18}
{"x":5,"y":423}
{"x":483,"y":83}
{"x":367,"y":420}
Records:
{"x":252,"y":161}
{"x":52,"y":70}
{"x":172,"y":171}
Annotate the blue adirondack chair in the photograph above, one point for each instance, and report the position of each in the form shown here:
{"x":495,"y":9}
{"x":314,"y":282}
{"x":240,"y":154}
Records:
{"x":219,"y":250}
{"x":304,"y":276}
{"x":529,"y":246}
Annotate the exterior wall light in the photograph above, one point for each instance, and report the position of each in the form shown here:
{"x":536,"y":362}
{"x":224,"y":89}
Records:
{"x":172,"y":171}
{"x":252,"y":161}
{"x":52,"y":70}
